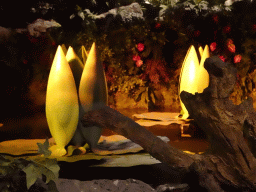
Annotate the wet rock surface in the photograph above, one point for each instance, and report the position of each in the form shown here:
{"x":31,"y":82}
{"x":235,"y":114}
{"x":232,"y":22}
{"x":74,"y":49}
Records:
{"x":104,"y":185}
{"x":116,"y":185}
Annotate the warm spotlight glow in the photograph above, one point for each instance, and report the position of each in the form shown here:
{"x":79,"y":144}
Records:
{"x":62,"y":108}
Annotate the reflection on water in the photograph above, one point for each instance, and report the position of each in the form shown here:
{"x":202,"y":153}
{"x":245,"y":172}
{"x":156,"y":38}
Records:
{"x":35,"y":127}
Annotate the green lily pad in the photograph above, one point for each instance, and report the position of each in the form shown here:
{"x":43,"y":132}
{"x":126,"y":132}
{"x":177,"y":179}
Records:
{"x":113,"y":150}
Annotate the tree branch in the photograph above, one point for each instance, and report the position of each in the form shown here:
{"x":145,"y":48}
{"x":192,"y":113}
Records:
{"x":109,"y":118}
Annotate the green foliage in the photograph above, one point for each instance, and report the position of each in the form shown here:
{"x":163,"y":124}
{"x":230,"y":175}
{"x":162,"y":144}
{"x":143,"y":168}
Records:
{"x":197,"y":22}
{"x":12,"y":171}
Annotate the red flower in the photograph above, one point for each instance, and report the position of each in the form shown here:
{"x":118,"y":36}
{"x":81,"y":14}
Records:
{"x":197,"y":33}
{"x":136,"y":58}
{"x":215,"y":18}
{"x":254,"y":27}
{"x":140,"y":47}
{"x":139,"y":63}
{"x":232,"y":48}
{"x":213,"y":46}
{"x":237,"y":58}
{"x":229,"y":41}
{"x":158,"y":25}
{"x":227,"y":29}
{"x":222,"y":58}
{"x":25,"y":61}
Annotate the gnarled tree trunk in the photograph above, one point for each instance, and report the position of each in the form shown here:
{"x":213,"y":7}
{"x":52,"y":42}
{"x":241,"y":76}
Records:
{"x":229,"y":164}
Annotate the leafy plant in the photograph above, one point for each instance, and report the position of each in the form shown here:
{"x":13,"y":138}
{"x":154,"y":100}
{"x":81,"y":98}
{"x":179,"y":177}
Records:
{"x":230,"y":31}
{"x":22,"y":174}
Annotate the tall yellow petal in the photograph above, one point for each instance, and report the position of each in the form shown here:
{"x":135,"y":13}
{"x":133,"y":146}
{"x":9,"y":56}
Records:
{"x":77,"y":67}
{"x":188,"y":76}
{"x":203,"y":76}
{"x":201,"y":51}
{"x":64,"y":49}
{"x":84,"y":53}
{"x":62,"y":110}
{"x":75,"y":64}
{"x":93,"y":86}
{"x":93,"y":92}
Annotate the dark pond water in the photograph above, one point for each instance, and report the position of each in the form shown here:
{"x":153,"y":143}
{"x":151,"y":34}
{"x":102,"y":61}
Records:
{"x":35,"y":127}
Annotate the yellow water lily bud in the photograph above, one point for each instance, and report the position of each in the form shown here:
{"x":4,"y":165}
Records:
{"x":62,"y":109}
{"x":194,"y":77}
{"x":188,"y":76}
{"x":93,"y":92}
{"x":93,"y":86}
{"x":77,"y":67}
{"x":64,"y":49}
{"x":201,"y":51}
{"x":75,"y":64}
{"x":203,"y":76}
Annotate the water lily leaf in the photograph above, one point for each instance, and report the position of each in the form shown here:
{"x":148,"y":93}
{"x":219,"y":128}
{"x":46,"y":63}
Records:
{"x":128,"y":160}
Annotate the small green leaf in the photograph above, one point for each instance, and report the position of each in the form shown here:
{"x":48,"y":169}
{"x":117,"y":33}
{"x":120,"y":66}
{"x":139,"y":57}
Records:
{"x":44,"y":148}
{"x":32,"y":174}
{"x":21,"y":163}
{"x":51,"y":174}
{"x":50,"y":168}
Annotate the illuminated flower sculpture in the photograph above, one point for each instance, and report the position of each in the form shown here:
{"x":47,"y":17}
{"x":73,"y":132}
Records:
{"x":62,"y":109}
{"x":92,"y":93}
{"x":194,"y":77}
{"x":69,"y":78}
{"x":77,"y":67}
